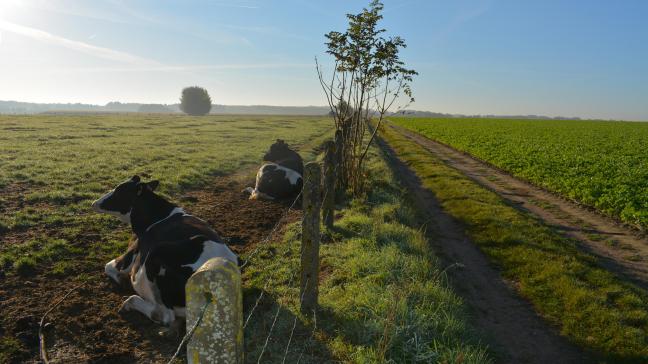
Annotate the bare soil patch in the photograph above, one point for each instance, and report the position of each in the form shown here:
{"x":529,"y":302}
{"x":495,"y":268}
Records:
{"x":619,"y":248}
{"x":86,"y":328}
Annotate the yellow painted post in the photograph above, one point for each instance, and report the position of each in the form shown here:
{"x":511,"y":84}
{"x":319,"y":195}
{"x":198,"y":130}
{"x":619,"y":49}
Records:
{"x":219,"y":337}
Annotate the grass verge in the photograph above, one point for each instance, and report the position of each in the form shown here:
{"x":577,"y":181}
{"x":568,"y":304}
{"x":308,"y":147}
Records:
{"x":590,"y":305}
{"x":383,"y":297}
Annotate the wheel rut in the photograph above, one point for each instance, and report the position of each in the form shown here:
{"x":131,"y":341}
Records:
{"x":507,"y":322}
{"x":620,"y":249}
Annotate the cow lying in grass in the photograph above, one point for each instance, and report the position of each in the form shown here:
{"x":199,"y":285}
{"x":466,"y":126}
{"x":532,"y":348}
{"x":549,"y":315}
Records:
{"x":281,"y":178}
{"x":170,"y":246}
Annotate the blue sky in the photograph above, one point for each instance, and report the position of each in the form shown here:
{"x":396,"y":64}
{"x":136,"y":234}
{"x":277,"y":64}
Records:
{"x":551,"y":57}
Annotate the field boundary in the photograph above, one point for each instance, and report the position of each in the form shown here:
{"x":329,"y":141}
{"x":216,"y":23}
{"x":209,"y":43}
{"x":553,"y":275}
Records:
{"x":517,"y":332}
{"x":636,"y":230}
{"x":619,"y":250}
{"x":593,"y":308}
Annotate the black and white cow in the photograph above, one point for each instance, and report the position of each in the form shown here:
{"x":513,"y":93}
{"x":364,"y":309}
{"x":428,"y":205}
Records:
{"x":281,"y":178}
{"x":170,"y":245}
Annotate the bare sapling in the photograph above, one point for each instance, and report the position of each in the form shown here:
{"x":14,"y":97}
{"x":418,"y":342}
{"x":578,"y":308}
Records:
{"x":368,"y":79}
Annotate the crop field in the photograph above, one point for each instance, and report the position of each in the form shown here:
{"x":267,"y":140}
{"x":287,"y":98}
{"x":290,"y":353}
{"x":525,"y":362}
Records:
{"x":594,"y":308}
{"x":602,"y":164}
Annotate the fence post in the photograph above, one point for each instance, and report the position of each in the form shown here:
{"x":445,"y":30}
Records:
{"x":339,"y":192}
{"x":310,"y":237}
{"x":328,"y":204}
{"x":219,"y":337}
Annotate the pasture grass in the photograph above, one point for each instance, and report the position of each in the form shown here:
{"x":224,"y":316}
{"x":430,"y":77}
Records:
{"x":602,"y":164}
{"x":53,"y":166}
{"x":383,"y":296}
{"x":590,"y":305}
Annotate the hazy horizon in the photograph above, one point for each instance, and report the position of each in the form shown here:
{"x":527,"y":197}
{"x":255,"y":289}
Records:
{"x":474,"y":56}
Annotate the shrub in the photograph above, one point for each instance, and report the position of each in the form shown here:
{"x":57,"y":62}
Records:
{"x":195,"y":101}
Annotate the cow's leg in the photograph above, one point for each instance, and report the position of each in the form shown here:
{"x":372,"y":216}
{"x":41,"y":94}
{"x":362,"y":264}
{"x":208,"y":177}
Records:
{"x":153,"y":311}
{"x":118,"y":269}
{"x":112,"y":271}
{"x":258,"y":195}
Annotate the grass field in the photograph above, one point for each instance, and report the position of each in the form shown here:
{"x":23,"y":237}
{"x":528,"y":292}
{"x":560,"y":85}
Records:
{"x":590,"y":305}
{"x":52,"y":167}
{"x":598,"y":163}
{"x":383,"y":296}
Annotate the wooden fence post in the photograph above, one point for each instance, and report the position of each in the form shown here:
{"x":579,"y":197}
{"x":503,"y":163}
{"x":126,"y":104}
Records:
{"x":328,"y":203}
{"x":219,"y":337}
{"x":310,"y":237}
{"x":339,"y":191}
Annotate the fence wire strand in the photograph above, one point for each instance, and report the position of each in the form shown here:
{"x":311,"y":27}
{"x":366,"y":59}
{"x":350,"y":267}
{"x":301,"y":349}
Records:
{"x":190,"y":333}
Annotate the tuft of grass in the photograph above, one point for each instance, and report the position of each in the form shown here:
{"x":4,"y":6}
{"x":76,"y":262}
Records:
{"x":24,"y":258}
{"x":383,"y":298}
{"x":591,"y":306}
{"x":10,"y":348}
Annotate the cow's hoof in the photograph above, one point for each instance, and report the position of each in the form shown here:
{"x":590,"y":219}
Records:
{"x":126,"y":305}
{"x":175,"y":331}
{"x":163,"y":316}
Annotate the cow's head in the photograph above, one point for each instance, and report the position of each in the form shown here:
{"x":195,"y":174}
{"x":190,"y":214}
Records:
{"x":278,"y":151}
{"x":119,"y":202}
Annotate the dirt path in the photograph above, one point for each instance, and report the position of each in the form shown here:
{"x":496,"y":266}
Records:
{"x":508,"y":323}
{"x":86,"y":328}
{"x":620,"y":249}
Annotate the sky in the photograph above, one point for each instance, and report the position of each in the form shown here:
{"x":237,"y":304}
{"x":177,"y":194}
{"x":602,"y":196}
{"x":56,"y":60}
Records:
{"x":551,"y":57}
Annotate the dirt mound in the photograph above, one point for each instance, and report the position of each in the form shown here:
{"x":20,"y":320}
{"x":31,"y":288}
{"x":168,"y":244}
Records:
{"x":86,"y":327}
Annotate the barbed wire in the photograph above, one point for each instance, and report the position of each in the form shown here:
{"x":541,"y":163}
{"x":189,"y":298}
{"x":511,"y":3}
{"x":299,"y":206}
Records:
{"x":265,"y":345}
{"x":311,"y":337}
{"x":274,"y":229}
{"x":190,"y":333}
{"x":294,"y":323}
{"x":256,"y":304}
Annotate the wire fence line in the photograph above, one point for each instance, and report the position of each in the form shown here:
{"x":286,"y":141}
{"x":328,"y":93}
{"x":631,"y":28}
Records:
{"x":280,"y":305}
{"x":272,"y":232}
{"x":190,"y":333}
{"x":247,"y":261}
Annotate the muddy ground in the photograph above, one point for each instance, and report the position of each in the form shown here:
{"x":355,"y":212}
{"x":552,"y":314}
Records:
{"x":86,"y":326}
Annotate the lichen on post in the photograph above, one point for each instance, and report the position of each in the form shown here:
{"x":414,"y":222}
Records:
{"x":219,"y":337}
{"x":310,"y":237}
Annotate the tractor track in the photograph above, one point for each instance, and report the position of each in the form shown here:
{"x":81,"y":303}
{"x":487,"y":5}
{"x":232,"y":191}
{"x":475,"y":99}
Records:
{"x":618,"y":248}
{"x":508,"y":323}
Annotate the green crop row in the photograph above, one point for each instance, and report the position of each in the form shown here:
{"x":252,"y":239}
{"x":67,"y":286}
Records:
{"x":602,"y":164}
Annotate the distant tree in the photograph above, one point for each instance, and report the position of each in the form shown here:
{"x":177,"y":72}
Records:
{"x":195,"y":101}
{"x":367,"y":79}
{"x":154,"y":109}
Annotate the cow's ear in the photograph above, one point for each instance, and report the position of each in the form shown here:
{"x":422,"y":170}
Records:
{"x":135,"y":178}
{"x":153,"y":185}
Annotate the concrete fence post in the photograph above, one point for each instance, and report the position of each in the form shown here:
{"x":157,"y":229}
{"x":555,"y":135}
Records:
{"x":328,"y":182}
{"x":219,"y":337}
{"x":310,"y":237}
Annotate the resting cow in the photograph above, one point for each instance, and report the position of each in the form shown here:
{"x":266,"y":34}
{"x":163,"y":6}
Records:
{"x":170,"y":246}
{"x":281,"y":178}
